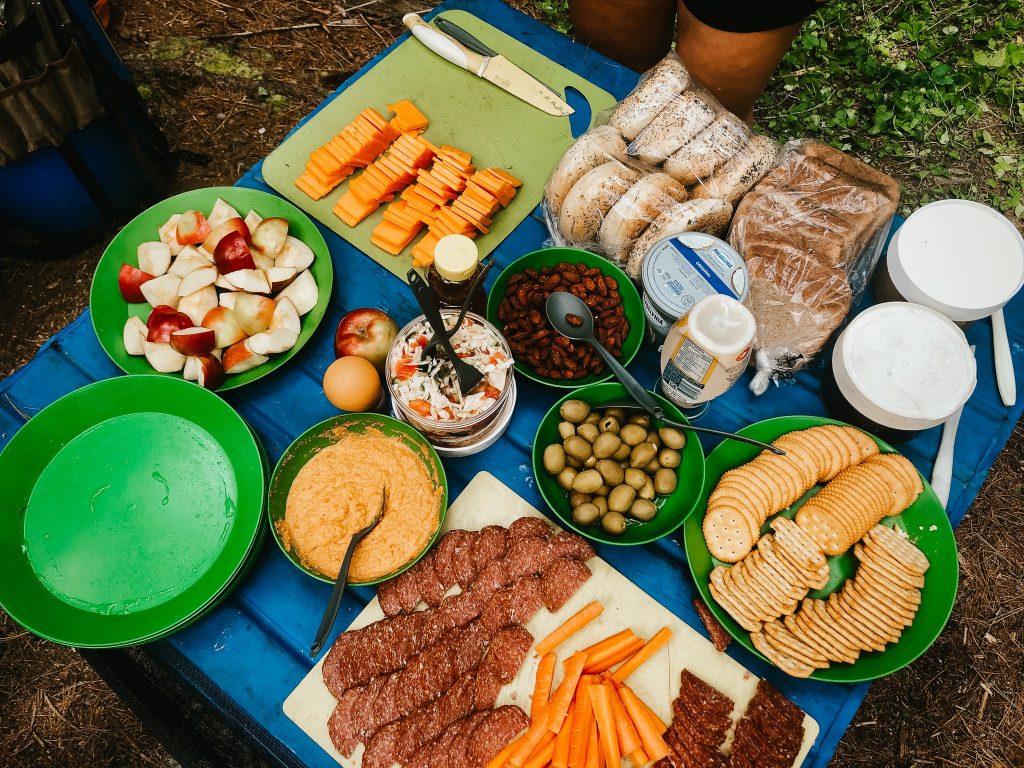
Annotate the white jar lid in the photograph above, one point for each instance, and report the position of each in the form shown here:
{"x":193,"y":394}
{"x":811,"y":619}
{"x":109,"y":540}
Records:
{"x":904,"y":366}
{"x":960,"y":257}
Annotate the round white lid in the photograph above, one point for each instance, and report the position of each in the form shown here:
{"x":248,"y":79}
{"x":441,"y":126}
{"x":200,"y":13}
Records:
{"x":904,"y":366}
{"x":456,"y":258}
{"x":957,"y":256}
{"x":721,"y":324}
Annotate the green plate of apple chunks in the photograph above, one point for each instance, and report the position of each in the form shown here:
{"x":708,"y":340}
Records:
{"x":236,"y":300}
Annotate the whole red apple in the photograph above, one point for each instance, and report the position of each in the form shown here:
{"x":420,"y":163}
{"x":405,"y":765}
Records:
{"x":367,"y":333}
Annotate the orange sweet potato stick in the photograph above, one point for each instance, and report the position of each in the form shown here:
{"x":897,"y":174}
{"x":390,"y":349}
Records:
{"x":571,"y":626}
{"x":651,"y":647}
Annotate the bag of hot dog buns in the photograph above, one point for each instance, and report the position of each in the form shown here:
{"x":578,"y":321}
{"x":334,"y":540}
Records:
{"x":669,"y":158}
{"x":811,"y":232}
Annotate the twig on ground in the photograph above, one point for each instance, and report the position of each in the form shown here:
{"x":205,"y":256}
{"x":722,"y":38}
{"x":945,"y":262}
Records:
{"x":291,"y":28}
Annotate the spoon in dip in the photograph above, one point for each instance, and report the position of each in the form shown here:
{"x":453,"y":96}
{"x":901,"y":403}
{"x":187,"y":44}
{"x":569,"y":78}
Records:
{"x":572,"y":318}
{"x":334,"y":604}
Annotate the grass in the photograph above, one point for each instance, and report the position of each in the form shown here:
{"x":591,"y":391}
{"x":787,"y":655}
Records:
{"x":931,"y":92}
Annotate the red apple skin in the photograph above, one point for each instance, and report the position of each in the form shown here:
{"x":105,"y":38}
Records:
{"x":130,"y":280}
{"x":367,"y":333}
{"x":195,"y":344}
{"x":211,"y":371}
{"x":163,"y":321}
{"x":232,"y":254}
{"x":192,"y":228}
{"x":233,"y":224}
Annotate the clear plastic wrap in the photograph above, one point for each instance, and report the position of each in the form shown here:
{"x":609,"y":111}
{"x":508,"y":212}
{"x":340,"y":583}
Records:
{"x":669,"y":156}
{"x":811,"y":232}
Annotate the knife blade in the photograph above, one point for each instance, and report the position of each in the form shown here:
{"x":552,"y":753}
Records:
{"x":495,"y":69}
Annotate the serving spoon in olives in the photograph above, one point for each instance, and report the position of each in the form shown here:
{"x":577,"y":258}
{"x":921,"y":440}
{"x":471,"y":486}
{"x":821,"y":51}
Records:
{"x":572,"y":318}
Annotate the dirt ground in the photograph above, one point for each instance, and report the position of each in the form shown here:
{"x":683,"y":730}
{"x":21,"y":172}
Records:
{"x":229,"y":95}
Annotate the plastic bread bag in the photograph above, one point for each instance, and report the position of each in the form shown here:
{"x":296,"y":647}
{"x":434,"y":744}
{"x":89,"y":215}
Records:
{"x":669,"y":159}
{"x":811,"y":232}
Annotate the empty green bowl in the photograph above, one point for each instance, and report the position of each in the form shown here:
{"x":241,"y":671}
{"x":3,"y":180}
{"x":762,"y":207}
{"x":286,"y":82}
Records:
{"x":673,"y":509}
{"x":326,"y":433}
{"x":549,"y":257}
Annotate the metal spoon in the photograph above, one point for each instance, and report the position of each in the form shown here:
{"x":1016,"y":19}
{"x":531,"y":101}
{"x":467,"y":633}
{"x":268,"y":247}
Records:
{"x":560,"y":305}
{"x":334,"y":603}
{"x":478,"y":278}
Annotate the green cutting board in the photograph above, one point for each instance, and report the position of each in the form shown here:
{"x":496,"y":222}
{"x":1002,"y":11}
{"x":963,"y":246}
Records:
{"x":465,"y":111}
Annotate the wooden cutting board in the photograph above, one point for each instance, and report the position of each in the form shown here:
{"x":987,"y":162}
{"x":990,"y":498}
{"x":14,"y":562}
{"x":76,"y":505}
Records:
{"x":487,"y":501}
{"x":464,"y":110}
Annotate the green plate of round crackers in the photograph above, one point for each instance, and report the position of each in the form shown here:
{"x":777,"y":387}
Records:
{"x":868,"y":611}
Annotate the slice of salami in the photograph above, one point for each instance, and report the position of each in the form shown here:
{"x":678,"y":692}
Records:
{"x":490,"y":545}
{"x":486,"y":688}
{"x":566,"y":544}
{"x":498,"y":730}
{"x":431,"y":589}
{"x":515,"y":604}
{"x":463,"y":738}
{"x":561,"y":580}
{"x":387,"y":596}
{"x":529,"y":526}
{"x":507,"y":652}
{"x":527,"y":556}
{"x":444,"y":555}
{"x":462,"y":561}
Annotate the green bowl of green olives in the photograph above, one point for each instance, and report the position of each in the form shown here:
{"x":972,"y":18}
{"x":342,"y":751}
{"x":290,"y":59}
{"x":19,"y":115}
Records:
{"x":614,"y":474}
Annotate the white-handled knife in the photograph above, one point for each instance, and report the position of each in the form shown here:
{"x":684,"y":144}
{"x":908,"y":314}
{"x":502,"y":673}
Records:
{"x":942,"y":470}
{"x":496,"y":69}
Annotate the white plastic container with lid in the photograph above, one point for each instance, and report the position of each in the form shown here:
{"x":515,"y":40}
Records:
{"x":899,"y":368}
{"x":959,"y":257}
{"x":680,"y":270}
{"x":706,"y":351}
{"x":456,"y":258}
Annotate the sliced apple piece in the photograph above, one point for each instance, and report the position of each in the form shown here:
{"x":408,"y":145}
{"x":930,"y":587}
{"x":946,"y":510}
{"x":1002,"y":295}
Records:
{"x":135,"y":332}
{"x":168,"y":234}
{"x":197,"y":280}
{"x":227,"y":299}
{"x":262,"y":262}
{"x":223,"y":283}
{"x":221,"y":212}
{"x":279,"y":277}
{"x":194,"y":341}
{"x":285,"y":316}
{"x":295,"y":254}
{"x":271,"y":342}
{"x":239,"y":358}
{"x":226,"y":228}
{"x":209,"y":371}
{"x":253,"y":312}
{"x":163,"y":357}
{"x":154,"y":258}
{"x":162,"y":290}
{"x":163,"y":321}
{"x":201,"y":250}
{"x":249,"y":280}
{"x":191,"y":370}
{"x":129,"y":282}
{"x":232,"y":254}
{"x":252,"y":220}
{"x":189,"y":260}
{"x":269,"y":236}
{"x":197,"y":304}
{"x":218,"y":352}
{"x":192,"y":228}
{"x":225,"y":326}
{"x":302,"y":292}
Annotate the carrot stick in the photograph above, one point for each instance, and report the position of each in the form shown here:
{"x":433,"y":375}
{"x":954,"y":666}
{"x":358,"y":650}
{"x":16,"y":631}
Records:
{"x":542,"y":755}
{"x":655,"y":720}
{"x":609,"y":658}
{"x":661,"y":637}
{"x":639,"y":757}
{"x":613,"y":641}
{"x":593,"y":749}
{"x":581,"y":725}
{"x":629,"y":740}
{"x":600,"y":696}
{"x":574,"y":624}
{"x":560,"y":757}
{"x":529,"y":741}
{"x":498,"y":761}
{"x":542,"y":686}
{"x":653,"y":745}
{"x":559,"y":703}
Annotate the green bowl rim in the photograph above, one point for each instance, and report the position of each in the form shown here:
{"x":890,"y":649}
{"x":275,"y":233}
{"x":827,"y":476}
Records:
{"x":537,"y":467}
{"x":638,"y":325}
{"x":821,"y":675}
{"x":322,"y":304}
{"x":362,"y":417}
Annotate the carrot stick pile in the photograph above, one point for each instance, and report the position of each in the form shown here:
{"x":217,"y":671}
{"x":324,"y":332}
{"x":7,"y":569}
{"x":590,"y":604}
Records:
{"x":592,"y":719}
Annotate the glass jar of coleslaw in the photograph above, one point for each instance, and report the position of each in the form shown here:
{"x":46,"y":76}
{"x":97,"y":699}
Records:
{"x":424,"y":389}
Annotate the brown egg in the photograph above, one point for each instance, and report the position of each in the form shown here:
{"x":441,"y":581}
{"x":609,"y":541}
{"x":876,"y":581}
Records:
{"x":352,"y":384}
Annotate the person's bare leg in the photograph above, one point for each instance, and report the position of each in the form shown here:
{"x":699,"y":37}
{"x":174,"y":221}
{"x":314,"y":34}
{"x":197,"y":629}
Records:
{"x":734,"y":66}
{"x":637,"y":33}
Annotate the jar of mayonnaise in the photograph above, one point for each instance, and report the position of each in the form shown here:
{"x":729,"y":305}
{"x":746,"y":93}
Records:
{"x":706,"y":351}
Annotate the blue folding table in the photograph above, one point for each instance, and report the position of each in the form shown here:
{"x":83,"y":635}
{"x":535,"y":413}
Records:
{"x":248,"y":655}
